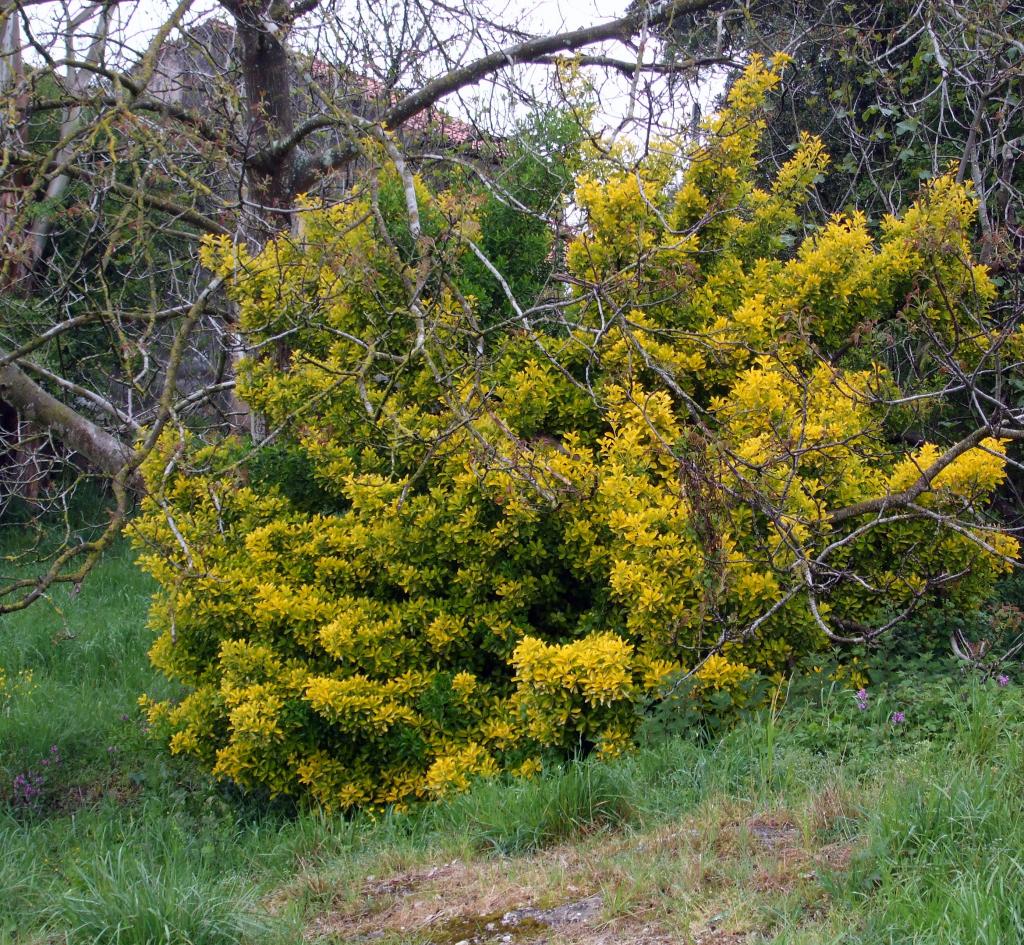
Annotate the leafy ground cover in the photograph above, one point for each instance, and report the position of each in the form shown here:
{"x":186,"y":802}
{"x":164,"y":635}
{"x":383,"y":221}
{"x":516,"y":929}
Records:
{"x":893,"y":817}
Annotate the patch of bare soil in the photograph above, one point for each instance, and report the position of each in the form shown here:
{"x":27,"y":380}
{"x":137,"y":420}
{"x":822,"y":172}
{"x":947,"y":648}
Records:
{"x":718,"y":937}
{"x":774,"y":832}
{"x":518,"y":925}
{"x":449,"y":904}
{"x":556,"y":897}
{"x":405,"y":883}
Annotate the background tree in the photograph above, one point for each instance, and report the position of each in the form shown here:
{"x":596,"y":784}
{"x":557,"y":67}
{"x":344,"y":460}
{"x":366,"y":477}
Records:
{"x":116,"y":160}
{"x":898,"y":92}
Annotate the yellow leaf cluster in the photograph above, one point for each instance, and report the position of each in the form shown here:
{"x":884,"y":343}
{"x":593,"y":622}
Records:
{"x":448,"y":566}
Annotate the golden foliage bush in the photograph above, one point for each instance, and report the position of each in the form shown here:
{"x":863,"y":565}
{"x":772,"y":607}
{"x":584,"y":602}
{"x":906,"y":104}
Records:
{"x":481,"y":547}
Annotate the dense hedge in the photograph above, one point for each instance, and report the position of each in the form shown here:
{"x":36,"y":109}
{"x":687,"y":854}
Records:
{"x":465,"y":553}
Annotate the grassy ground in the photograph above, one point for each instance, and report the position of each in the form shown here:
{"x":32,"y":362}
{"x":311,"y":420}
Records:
{"x":831,"y":825}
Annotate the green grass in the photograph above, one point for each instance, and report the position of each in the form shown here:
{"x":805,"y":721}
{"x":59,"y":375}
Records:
{"x":86,"y":655}
{"x":125,"y":845}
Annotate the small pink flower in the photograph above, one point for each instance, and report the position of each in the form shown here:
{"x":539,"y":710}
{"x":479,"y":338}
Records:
{"x":1003,"y":680}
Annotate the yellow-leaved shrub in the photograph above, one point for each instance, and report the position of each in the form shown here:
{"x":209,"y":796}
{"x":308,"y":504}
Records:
{"x":468,"y":550}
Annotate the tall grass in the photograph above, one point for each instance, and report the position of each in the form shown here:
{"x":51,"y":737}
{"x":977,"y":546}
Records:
{"x":945,"y":862}
{"x":122,"y":900}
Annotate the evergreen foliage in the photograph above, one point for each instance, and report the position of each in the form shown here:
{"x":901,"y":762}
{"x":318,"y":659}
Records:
{"x":521,"y":533}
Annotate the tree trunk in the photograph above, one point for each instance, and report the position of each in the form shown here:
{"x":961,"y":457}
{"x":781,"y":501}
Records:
{"x":101,"y":449}
{"x":267,"y":77}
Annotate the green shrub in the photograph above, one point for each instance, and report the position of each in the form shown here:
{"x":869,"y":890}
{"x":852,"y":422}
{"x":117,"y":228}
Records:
{"x":500,"y":544}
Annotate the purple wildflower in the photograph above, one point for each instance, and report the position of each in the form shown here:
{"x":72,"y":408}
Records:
{"x":862,"y":699}
{"x":27,"y":786}
{"x":1003,"y":680}
{"x":898,"y":718}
